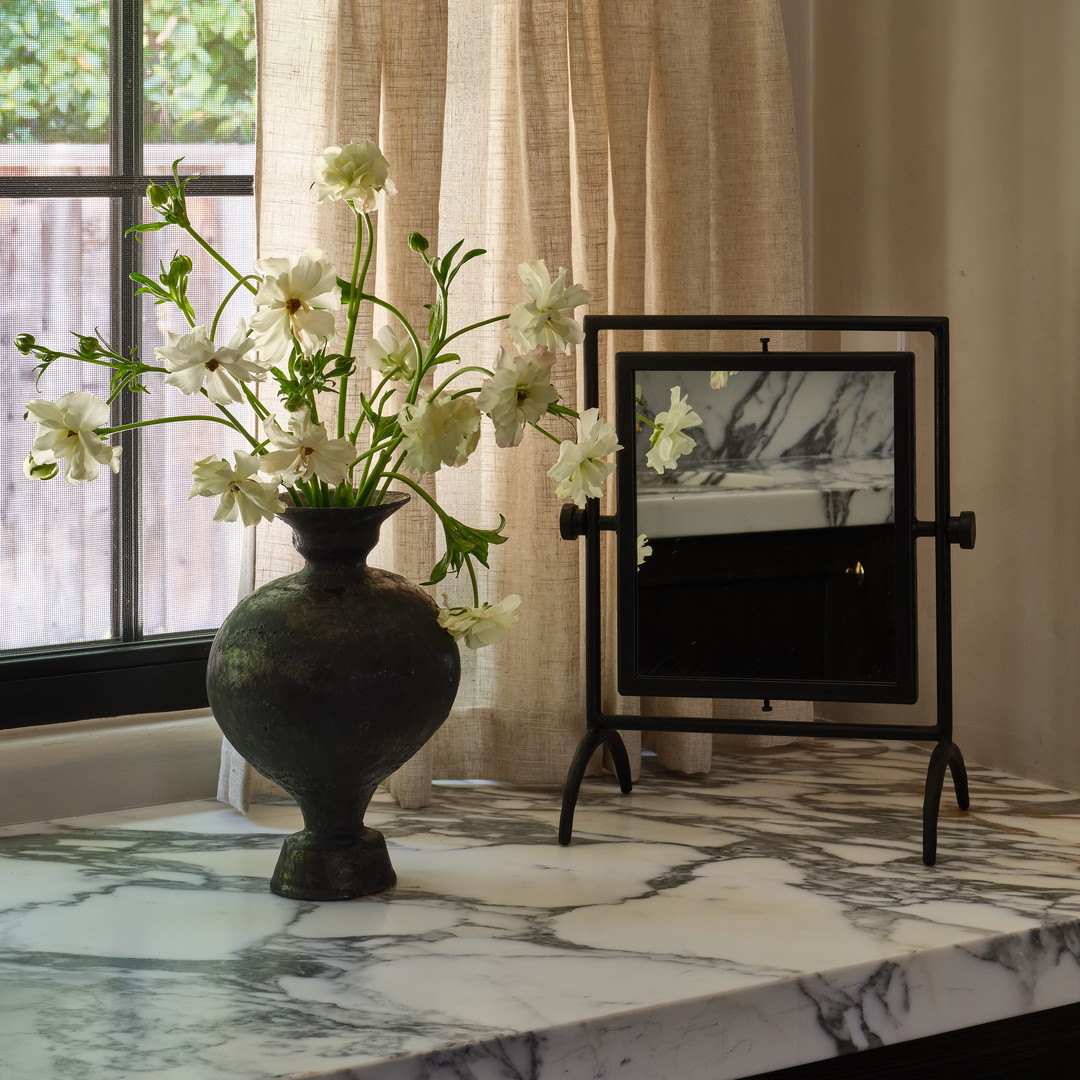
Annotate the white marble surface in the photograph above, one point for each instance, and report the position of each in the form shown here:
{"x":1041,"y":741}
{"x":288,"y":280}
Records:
{"x":774,"y":913}
{"x":759,"y":495}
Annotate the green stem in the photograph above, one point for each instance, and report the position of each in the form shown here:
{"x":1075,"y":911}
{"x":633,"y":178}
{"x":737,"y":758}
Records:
{"x":475,"y":326}
{"x":460,"y":371}
{"x":372,"y":299}
{"x":543,"y":431}
{"x":355,"y":290}
{"x":221,"y":307}
{"x":186,"y":226}
{"x":472,"y":577}
{"x":172,"y":420}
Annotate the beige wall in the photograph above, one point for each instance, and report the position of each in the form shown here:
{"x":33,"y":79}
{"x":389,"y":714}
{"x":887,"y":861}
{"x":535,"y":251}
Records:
{"x":944,"y":169}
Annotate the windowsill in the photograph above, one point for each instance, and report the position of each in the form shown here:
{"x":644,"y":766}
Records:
{"x":62,"y":770}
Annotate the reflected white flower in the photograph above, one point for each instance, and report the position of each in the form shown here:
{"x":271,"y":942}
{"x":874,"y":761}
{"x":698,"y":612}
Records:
{"x":296,"y":301}
{"x":480,"y":626}
{"x":355,"y":173}
{"x":443,"y":431}
{"x":581,"y":469}
{"x":67,"y":430}
{"x":519,"y":394}
{"x":668,"y":443}
{"x":195,"y":362}
{"x":719,"y":379}
{"x":644,"y":550}
{"x":241,"y":494}
{"x":392,"y":356}
{"x":306,"y":449}
{"x":545,"y":319}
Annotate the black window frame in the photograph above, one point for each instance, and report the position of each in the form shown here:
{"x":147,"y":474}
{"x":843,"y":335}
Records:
{"x":126,"y":674}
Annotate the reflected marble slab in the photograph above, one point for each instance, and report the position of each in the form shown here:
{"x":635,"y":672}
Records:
{"x":774,"y":913}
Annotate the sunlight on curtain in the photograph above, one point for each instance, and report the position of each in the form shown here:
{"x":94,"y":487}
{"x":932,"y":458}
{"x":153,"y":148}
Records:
{"x":648,"y":146}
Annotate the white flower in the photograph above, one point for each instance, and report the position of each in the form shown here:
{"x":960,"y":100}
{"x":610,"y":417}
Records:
{"x":241,"y":495}
{"x":519,"y":394}
{"x":296,"y":301}
{"x":643,"y":548}
{"x":194,"y":361}
{"x":581,"y":469}
{"x":355,"y":173}
{"x":391,"y":356}
{"x":668,"y":443}
{"x":483,"y":625}
{"x":719,"y":379}
{"x":67,"y":429}
{"x":305,"y":449}
{"x":440,"y":432}
{"x":546,"y":317}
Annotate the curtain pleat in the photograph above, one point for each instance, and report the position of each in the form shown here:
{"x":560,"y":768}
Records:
{"x":646,"y":145}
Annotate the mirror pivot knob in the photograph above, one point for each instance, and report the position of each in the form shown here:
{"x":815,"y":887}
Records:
{"x":571,"y":522}
{"x":962,"y":529}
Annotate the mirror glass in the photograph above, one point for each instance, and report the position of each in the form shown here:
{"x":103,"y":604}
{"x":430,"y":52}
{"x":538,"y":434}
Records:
{"x":765,"y":525}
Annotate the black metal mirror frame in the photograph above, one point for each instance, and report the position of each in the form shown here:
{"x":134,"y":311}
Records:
{"x":602,"y":728}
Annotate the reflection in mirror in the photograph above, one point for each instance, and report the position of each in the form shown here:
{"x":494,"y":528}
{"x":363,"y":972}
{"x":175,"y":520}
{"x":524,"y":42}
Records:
{"x":776,"y":506}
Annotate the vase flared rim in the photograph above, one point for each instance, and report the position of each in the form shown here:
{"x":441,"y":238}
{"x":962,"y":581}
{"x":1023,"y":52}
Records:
{"x":391,"y":501}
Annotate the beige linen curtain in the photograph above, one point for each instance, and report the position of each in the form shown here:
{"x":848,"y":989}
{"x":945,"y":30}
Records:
{"x":646,"y":145}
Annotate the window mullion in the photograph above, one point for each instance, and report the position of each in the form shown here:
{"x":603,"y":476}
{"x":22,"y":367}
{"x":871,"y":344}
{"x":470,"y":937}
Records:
{"x":126,"y":160}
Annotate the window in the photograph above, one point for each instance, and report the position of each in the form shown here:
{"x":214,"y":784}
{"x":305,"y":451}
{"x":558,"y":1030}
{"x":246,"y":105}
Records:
{"x":109,"y":591}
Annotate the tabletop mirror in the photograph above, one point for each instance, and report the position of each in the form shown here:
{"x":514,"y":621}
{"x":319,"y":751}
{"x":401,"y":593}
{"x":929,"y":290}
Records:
{"x":773,"y":556}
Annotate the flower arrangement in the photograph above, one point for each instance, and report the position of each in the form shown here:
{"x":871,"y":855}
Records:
{"x":420,"y":414}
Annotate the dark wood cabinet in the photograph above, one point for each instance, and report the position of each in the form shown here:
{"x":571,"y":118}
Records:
{"x":802,"y":604}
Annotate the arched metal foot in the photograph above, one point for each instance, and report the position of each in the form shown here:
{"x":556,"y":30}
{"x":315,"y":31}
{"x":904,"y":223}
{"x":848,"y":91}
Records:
{"x":592,"y":738}
{"x":946,"y":755}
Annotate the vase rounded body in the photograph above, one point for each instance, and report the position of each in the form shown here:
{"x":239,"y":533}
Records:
{"x":326,"y":681}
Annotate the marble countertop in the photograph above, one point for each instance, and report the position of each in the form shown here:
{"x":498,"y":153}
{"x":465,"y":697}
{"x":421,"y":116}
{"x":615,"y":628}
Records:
{"x":774,"y":913}
{"x":764,"y":495}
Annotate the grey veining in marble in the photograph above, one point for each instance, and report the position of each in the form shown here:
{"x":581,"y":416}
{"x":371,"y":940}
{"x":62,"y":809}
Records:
{"x":776,"y":450}
{"x":772,"y":913}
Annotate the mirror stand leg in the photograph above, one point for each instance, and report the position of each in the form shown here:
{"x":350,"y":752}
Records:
{"x":589,"y":742}
{"x":619,"y":758}
{"x":946,"y":756}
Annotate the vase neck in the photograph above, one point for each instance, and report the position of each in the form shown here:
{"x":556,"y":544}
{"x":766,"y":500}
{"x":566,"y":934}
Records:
{"x":339,"y":534}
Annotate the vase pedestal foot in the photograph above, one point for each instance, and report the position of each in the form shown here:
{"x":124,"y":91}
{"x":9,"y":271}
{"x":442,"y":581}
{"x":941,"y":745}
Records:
{"x":309,"y":868}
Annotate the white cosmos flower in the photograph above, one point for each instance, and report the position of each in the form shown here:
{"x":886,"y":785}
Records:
{"x":519,"y":394}
{"x":67,"y":430}
{"x":644,"y":550}
{"x":240,"y":493}
{"x":305,"y":449}
{"x":355,"y":173}
{"x":296,"y":301}
{"x":546,"y":318}
{"x":668,"y":443}
{"x":443,"y":431}
{"x":392,"y":356}
{"x":483,"y":625}
{"x":719,"y":379}
{"x":195,"y":362}
{"x":581,"y":469}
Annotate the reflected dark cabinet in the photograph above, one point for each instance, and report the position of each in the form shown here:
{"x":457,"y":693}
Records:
{"x":800,"y":603}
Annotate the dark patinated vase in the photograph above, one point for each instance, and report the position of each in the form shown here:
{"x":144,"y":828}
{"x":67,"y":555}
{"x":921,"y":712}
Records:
{"x":326,"y":681}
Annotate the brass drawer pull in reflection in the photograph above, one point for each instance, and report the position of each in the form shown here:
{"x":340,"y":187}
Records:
{"x":859,"y":571}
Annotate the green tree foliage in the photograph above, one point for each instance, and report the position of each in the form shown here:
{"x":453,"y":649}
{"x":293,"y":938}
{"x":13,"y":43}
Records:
{"x":199,"y":71}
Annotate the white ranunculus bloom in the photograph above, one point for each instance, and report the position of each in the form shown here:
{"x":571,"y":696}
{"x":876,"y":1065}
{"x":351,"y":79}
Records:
{"x":355,"y":173}
{"x":483,"y":625}
{"x":519,"y":394}
{"x":644,"y":550}
{"x":305,"y":449}
{"x":241,"y":495}
{"x":546,"y":318}
{"x":668,"y":442}
{"x":443,"y":431}
{"x":195,"y":362}
{"x":296,"y":303}
{"x":719,"y":379}
{"x":581,"y":469}
{"x":390,"y":355}
{"x":67,"y":430}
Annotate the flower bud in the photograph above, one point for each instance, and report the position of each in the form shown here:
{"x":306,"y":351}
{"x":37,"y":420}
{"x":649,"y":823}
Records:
{"x":180,"y":265}
{"x":45,"y":470}
{"x":158,"y":196}
{"x":88,"y":346}
{"x":418,"y":242}
{"x":24,"y":343}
